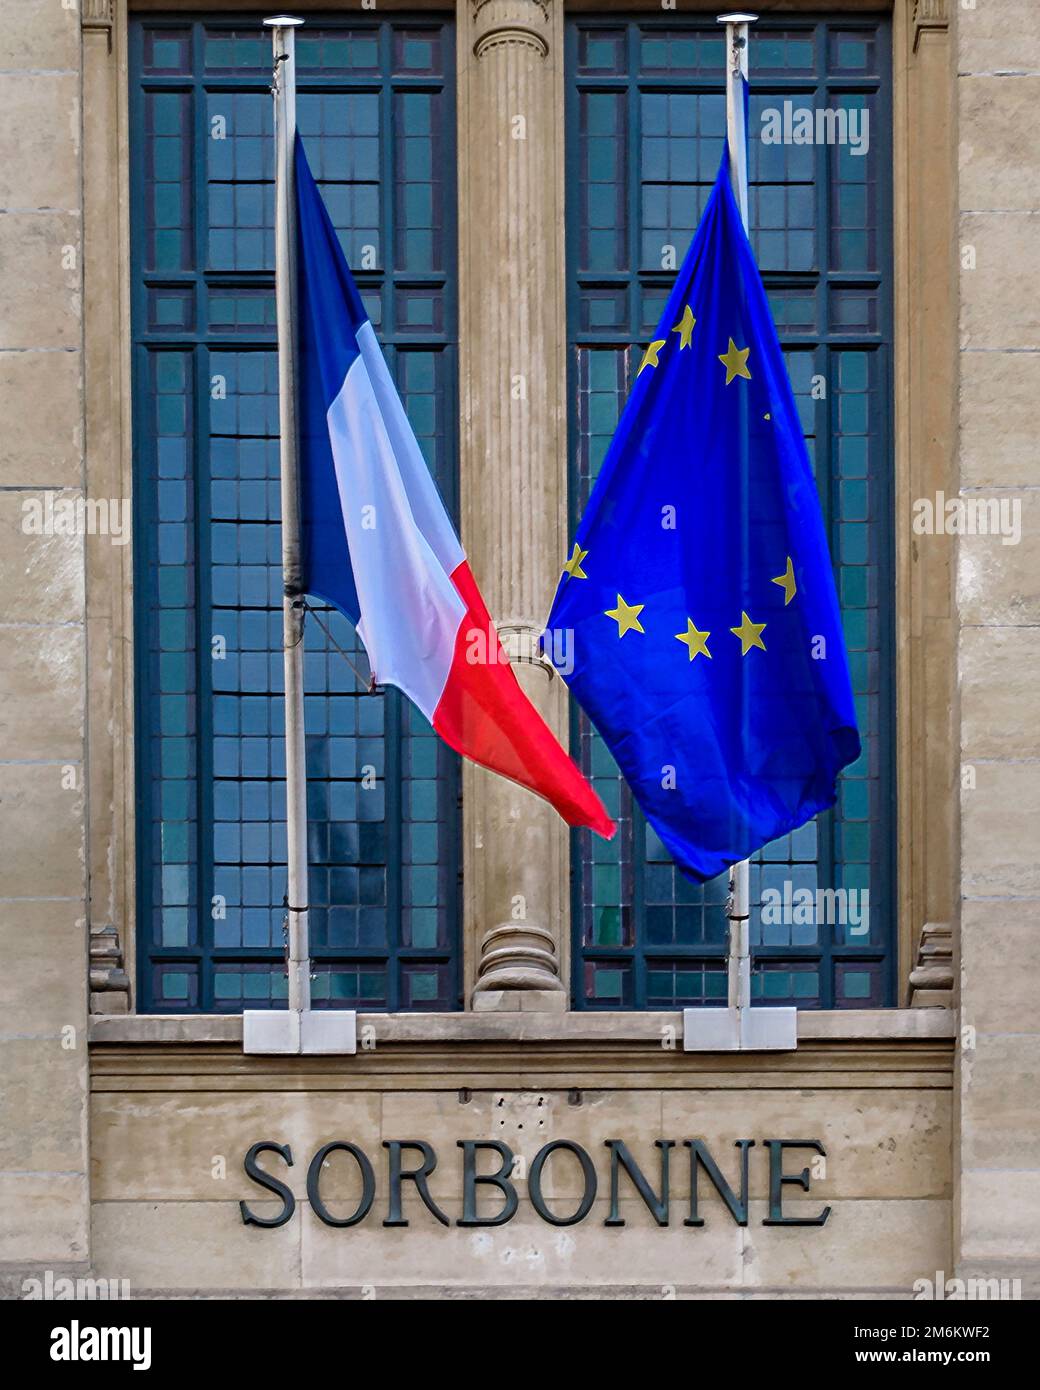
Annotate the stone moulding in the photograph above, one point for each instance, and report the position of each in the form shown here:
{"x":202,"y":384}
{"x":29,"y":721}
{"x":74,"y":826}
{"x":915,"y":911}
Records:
{"x":515,"y":36}
{"x":930,"y":14}
{"x":501,"y":24}
{"x":98,"y":14}
{"x":544,"y":5}
{"x":98,"y":17}
{"x":931,"y":980}
{"x":109,"y":982}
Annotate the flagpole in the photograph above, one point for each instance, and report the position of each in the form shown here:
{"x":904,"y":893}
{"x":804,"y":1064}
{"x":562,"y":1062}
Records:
{"x":739,"y":905}
{"x":283,"y":36}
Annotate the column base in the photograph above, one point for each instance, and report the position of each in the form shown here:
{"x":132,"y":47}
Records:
{"x":517,"y":958}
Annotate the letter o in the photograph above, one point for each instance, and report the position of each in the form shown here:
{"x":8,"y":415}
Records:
{"x":368,"y":1180}
{"x":534,"y":1183}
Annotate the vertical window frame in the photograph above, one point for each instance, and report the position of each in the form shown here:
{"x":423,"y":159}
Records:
{"x":199,"y":342}
{"x":885,"y":955}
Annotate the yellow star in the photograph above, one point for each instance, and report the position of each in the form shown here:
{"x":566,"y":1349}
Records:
{"x":573,"y":565}
{"x":734,"y":359}
{"x":750,"y":634}
{"x":650,"y":356}
{"x":786,"y":582}
{"x":626,"y":615}
{"x":696,"y":641}
{"x":684,"y":328}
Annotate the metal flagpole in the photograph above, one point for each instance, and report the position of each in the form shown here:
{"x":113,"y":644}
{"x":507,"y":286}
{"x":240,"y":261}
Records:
{"x":739,"y":909}
{"x":284,"y":37}
{"x":295,"y":1029}
{"x":738,"y":1026}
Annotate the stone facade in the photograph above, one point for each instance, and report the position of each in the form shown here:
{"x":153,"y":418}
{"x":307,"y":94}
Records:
{"x":125,"y":1156}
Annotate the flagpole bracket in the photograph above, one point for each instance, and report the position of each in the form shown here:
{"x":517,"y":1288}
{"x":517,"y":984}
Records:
{"x":740,"y":1030}
{"x":299,"y":1032}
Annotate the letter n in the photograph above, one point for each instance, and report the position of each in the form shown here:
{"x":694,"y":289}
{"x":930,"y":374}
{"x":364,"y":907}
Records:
{"x":699,"y":1156}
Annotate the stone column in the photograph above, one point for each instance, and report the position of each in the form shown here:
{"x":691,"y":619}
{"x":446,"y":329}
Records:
{"x":513,"y":465}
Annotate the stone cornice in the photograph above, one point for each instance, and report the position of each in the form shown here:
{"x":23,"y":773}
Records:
{"x":619,"y":1051}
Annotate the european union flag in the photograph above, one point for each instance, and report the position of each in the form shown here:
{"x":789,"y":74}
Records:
{"x":707,"y":642}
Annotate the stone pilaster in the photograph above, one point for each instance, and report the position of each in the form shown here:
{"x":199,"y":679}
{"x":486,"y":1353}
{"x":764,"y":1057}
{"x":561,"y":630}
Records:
{"x":997,"y":1178}
{"x":513,"y":374}
{"x":108,"y":472}
{"x":44,"y":1157}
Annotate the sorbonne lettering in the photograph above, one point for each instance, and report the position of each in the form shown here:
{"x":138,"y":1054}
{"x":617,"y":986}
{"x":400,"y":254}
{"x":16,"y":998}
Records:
{"x":413,"y":1161}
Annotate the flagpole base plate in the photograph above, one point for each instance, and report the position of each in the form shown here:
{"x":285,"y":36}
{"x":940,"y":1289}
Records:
{"x":740,"y":1030}
{"x":291,"y":1032}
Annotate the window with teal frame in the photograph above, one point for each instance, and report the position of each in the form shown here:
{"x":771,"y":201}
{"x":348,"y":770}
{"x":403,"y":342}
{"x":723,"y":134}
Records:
{"x":376,"y":109}
{"x":646,"y":120}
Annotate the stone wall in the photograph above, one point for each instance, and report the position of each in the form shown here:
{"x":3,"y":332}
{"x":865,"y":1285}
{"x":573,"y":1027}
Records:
{"x":171,"y":1126}
{"x":927,"y":1168}
{"x":998,"y":87}
{"x":43,"y":880}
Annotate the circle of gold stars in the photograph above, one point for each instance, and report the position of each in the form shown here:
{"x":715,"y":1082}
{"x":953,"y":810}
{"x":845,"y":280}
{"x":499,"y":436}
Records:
{"x":626,"y":615}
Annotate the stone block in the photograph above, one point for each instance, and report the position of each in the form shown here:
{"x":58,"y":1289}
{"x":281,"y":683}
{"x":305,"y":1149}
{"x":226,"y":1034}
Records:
{"x":41,"y":444}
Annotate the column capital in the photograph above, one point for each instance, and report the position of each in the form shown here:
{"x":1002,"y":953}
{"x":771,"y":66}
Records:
{"x":501,"y":24}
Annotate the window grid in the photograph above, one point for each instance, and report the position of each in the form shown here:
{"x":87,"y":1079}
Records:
{"x":646,"y":117}
{"x":376,"y":110}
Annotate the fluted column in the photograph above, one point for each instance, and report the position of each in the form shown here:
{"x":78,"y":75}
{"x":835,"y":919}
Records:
{"x":513,"y":465}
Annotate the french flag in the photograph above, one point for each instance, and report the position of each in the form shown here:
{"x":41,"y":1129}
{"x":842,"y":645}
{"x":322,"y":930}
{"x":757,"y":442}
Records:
{"x":378,"y":544}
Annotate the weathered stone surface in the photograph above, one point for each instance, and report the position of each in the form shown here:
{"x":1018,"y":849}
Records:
{"x":526,"y":1252}
{"x":41,"y":714}
{"x":864,"y":1244}
{"x":193,"y":1245}
{"x":45,"y":939}
{"x":40,"y":37}
{"x":42,"y":832}
{"x":43,"y":1103}
{"x":998,"y":167}
{"x":884,"y":1144}
{"x":40,"y":260}
{"x":998,"y":38}
{"x":998,"y":583}
{"x":45,"y":1218}
{"x":42,"y":440}
{"x":155,"y":1147}
{"x":998,"y":395}
{"x":1000,"y":700}
{"x":999,"y":1215}
{"x":39,"y":141}
{"x":993,"y":932}
{"x":41,"y":576}
{"x":996,"y":307}
{"x":1000,"y":828}
{"x":1000,"y":1082}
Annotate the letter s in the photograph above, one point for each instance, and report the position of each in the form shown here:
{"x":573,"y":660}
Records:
{"x":254,"y":1171}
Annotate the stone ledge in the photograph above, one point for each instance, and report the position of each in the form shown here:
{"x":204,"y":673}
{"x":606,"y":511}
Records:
{"x":839,"y":1025}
